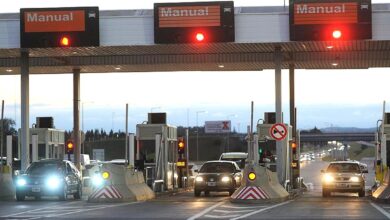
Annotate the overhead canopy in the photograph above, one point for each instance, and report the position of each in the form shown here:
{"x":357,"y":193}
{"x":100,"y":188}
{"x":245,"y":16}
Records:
{"x":256,"y":40}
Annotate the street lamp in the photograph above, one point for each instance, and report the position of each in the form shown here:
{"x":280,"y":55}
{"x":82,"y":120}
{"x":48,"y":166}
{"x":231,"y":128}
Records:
{"x":82,"y":122}
{"x":228,"y":117}
{"x":197,"y":134}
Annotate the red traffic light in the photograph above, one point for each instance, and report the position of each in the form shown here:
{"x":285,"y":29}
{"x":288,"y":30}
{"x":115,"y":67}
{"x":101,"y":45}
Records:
{"x":65,"y":41}
{"x":199,"y":37}
{"x":336,"y":34}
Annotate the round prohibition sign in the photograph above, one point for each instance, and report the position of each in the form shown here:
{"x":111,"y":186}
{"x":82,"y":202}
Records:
{"x":278,"y":131}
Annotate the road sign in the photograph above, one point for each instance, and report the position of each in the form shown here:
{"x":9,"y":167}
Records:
{"x":278,"y":131}
{"x":325,"y":20}
{"x":194,"y":22}
{"x":59,"y":27}
{"x":217,"y":126}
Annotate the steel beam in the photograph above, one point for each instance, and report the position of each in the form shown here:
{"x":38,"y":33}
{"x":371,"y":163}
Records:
{"x":76,"y":117}
{"x":278,"y":109}
{"x":25,"y":111}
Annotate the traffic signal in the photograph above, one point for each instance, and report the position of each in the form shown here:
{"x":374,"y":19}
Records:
{"x":180,"y":145}
{"x":337,"y":34}
{"x":65,"y":41}
{"x":200,"y":37}
{"x":69,"y":147}
{"x":294,"y":147}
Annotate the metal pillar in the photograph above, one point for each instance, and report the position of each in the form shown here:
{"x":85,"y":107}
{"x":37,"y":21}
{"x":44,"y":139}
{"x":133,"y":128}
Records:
{"x":76,"y":117}
{"x":25,"y":111}
{"x":9,"y":150}
{"x":292,"y":100}
{"x":131,"y":150}
{"x":127,"y":136}
{"x":278,"y":109}
{"x":34,"y":147}
{"x":187,"y":150}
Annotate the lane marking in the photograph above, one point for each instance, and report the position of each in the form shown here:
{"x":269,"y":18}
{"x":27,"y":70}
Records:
{"x":380,"y":210}
{"x":242,"y":207}
{"x":221,"y":216}
{"x":19,"y":213}
{"x":205,"y":211}
{"x":262,"y":210}
{"x":233,"y":211}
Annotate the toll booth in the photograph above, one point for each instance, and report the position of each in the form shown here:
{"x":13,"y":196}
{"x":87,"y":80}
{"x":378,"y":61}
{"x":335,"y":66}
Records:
{"x":276,"y":160}
{"x":50,"y":143}
{"x":383,"y":148}
{"x":157,"y":152}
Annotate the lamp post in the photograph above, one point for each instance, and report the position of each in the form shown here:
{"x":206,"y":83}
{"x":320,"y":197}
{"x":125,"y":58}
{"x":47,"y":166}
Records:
{"x":82,"y":123}
{"x":228,"y":117}
{"x":197,"y":134}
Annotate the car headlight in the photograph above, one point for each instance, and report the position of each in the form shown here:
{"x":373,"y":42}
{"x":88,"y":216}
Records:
{"x":354,"y":179}
{"x":225,"y":179}
{"x":328,"y":178}
{"x":53,"y":182}
{"x":97,"y":180}
{"x":21,"y":182}
{"x":199,"y":179}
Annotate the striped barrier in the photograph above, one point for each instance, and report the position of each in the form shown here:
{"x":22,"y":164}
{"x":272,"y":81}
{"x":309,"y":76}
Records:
{"x":259,"y":185}
{"x":120,"y":184}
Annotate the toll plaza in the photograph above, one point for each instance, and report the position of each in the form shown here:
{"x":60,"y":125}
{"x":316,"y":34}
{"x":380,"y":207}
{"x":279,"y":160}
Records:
{"x":161,"y":40}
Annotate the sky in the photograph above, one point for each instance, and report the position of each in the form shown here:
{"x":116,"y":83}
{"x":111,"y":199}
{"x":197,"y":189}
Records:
{"x":324,"y":98}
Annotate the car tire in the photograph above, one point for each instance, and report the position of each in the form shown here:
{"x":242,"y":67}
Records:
{"x":207,"y":193}
{"x":197,"y":193}
{"x":63,"y":196}
{"x":79,"y":193}
{"x":362,"y":193}
{"x":20,"y":196}
{"x":325,"y":193}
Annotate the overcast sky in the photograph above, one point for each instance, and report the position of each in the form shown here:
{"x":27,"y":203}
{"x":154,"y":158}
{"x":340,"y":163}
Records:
{"x":323,"y":97}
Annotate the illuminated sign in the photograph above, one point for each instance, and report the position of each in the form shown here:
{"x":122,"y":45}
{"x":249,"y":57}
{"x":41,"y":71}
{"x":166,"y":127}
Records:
{"x":194,"y":22}
{"x":48,"y":27}
{"x":330,"y":20}
{"x":181,"y":163}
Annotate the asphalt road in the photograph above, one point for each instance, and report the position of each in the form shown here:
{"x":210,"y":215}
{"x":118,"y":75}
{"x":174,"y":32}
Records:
{"x":217,"y":206}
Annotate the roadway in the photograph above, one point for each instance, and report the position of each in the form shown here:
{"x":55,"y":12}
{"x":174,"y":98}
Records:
{"x":217,"y":206}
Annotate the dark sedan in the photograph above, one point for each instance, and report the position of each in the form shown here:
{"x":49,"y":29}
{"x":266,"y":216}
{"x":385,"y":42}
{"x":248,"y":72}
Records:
{"x":49,"y":177}
{"x":218,"y":176}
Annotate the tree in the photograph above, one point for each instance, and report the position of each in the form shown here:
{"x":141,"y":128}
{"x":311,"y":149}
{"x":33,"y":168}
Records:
{"x":9,"y":126}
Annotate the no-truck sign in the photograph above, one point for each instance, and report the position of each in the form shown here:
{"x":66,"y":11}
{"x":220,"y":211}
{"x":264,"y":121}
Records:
{"x":278,"y":131}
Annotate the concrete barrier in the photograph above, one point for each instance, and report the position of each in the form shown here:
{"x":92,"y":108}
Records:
{"x":122,"y":185}
{"x":264,"y":188}
{"x":382,"y":193}
{"x":7,"y":189}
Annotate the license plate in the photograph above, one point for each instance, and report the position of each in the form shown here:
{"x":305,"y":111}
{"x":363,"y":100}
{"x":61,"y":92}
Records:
{"x":36,"y":189}
{"x":342,"y":185}
{"x":211,"y":183}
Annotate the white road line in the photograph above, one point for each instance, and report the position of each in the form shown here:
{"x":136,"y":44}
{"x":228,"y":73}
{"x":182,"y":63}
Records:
{"x":233,"y":211}
{"x":19,"y":213}
{"x":221,"y":216}
{"x":262,"y":210}
{"x":242,"y":207}
{"x":205,"y":211}
{"x":381,"y":210}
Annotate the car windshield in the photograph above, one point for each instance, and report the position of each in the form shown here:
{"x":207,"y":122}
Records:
{"x":343,"y":168}
{"x":42,"y":168}
{"x":217,"y":168}
{"x":240,"y":162}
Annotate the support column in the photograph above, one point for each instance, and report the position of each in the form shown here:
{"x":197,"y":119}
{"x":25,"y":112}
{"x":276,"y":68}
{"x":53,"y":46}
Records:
{"x":131,"y":150}
{"x":34,"y":147}
{"x":9,"y":150}
{"x":25,"y":111}
{"x":126,"y":135}
{"x":292,"y":100}
{"x":76,"y":117}
{"x":278,"y":109}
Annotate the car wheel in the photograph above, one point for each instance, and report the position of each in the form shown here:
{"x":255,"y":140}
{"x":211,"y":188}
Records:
{"x":20,"y":196}
{"x":63,"y":196}
{"x":79,"y":192}
{"x":207,"y":193}
{"x":325,"y":193}
{"x":197,"y":193}
{"x":362,"y":193}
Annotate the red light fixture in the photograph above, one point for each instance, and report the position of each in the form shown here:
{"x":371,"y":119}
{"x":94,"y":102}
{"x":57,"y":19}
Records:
{"x":336,"y":34}
{"x":199,"y":37}
{"x":65,"y":41}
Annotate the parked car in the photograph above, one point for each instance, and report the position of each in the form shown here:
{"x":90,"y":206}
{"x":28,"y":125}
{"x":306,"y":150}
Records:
{"x":343,"y":176}
{"x":238,"y":157}
{"x":218,"y":176}
{"x":49,"y":177}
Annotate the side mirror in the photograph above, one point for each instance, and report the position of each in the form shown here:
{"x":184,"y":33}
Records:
{"x":196,"y":171}
{"x":322,"y":171}
{"x":365,"y":171}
